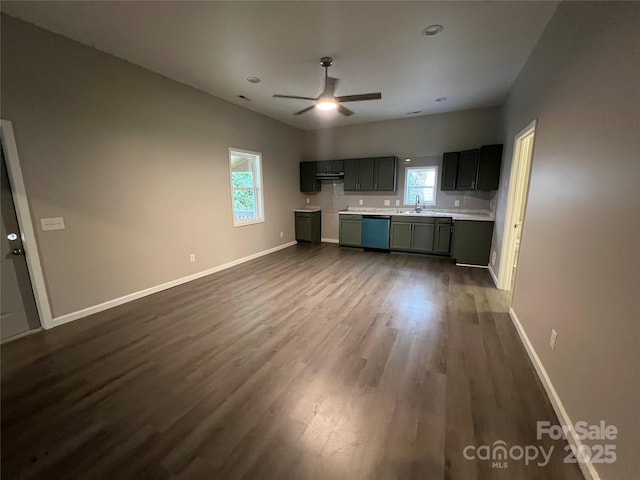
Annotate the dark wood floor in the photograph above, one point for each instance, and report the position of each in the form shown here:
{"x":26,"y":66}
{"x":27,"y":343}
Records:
{"x":310,"y":363}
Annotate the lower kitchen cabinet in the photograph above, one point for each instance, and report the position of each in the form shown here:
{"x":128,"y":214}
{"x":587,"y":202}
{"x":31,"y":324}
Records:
{"x":442,"y":236}
{"x":472,"y":241}
{"x":350,"y":230}
{"x":422,"y":237}
{"x":421,"y":234}
{"x":308,"y":226}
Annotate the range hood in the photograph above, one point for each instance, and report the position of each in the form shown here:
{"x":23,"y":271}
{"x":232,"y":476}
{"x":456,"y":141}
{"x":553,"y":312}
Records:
{"x":329,"y":176}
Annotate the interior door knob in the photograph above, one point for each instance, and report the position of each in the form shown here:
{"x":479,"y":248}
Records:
{"x":17,"y":251}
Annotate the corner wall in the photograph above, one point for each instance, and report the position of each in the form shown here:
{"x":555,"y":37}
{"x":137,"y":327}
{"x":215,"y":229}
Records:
{"x":579,"y":264}
{"x":137,"y":165}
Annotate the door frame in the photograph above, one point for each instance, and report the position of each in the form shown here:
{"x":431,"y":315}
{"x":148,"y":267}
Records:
{"x":21,"y":205}
{"x":518,"y":163}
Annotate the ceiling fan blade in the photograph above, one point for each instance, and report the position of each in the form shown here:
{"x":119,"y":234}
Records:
{"x":344,"y":110}
{"x":293,"y":96}
{"x":330,"y":85}
{"x":304,"y":110}
{"x":360,"y":97}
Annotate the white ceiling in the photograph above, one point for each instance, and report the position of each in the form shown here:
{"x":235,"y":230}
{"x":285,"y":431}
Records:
{"x":377,"y":47}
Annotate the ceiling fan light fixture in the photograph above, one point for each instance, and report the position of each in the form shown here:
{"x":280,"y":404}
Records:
{"x":326,"y":104}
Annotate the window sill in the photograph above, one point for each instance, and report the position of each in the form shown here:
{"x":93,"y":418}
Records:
{"x":239,"y":223}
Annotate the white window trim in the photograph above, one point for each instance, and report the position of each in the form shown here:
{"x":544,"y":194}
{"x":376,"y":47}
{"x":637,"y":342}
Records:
{"x":259,"y":190}
{"x":406,"y":180}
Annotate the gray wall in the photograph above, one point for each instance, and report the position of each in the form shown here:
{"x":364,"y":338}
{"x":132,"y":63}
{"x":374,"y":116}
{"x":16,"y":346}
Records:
{"x":137,"y":165}
{"x":423,"y":139}
{"x":579,"y":267}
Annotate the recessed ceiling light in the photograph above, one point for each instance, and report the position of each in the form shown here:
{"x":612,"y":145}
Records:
{"x":441,"y":99}
{"x":413,"y":113}
{"x":253,"y":80}
{"x":407,"y":160}
{"x":432,"y":30}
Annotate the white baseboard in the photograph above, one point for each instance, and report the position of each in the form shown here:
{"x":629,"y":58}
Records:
{"x":470,"y":265}
{"x":69,"y":317}
{"x":329,"y":240}
{"x":588,"y":470}
{"x":494,"y":276}
{"x":20,"y":335}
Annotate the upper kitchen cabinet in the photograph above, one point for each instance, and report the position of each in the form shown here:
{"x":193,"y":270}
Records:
{"x":370,"y":174}
{"x":385,"y":174}
{"x":477,"y":169}
{"x":308,"y":180}
{"x":467,"y":170}
{"x":489,"y":167}
{"x":449,"y":170}
{"x":330,"y":167}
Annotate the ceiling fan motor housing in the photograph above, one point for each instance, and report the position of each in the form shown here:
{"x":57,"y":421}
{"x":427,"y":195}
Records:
{"x":326,"y":61}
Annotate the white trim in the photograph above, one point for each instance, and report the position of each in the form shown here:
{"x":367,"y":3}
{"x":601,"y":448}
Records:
{"x":470,"y":265}
{"x":259,"y":189}
{"x":588,"y":470}
{"x":505,"y":271}
{"x":69,"y":317}
{"x":330,"y":240}
{"x":493,"y":275}
{"x":23,"y":213}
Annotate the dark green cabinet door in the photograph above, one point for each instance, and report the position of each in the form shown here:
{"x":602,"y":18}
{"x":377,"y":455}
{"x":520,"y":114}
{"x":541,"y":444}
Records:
{"x":350,"y":175}
{"x":350,"y":231}
{"x":400,"y":236}
{"x":449,"y":171}
{"x":385,"y":174}
{"x":467,"y":170}
{"x":308,"y":182}
{"x":337,"y":166}
{"x":472,"y":242}
{"x":442,"y":238}
{"x":303,"y":228}
{"x":366,"y":174}
{"x":323,"y":167}
{"x":489,"y":167}
{"x":422,"y":237}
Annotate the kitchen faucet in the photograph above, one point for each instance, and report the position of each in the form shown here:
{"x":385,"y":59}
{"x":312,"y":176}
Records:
{"x":418,"y":209}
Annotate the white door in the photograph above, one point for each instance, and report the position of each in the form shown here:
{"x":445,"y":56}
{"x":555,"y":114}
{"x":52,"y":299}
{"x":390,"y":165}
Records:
{"x":522,"y":190}
{"x":18,"y":312}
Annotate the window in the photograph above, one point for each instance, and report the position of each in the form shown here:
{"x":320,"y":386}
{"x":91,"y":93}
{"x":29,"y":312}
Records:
{"x":420,"y":182}
{"x":246,"y":187}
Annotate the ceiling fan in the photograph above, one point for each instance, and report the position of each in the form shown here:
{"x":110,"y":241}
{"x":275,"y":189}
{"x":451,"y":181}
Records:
{"x":327,"y":100}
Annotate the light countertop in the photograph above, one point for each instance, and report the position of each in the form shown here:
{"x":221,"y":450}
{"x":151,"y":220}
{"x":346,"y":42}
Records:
{"x":458,"y":214}
{"x":308,"y":209}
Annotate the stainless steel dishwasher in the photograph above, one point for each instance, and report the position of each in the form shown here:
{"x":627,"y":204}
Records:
{"x":375,"y":231}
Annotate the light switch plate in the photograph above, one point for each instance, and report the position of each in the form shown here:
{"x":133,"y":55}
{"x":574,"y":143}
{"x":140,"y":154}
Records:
{"x":53,"y":223}
{"x":387,"y":203}
{"x":397,"y":203}
{"x":457,"y":203}
{"x":361,"y":202}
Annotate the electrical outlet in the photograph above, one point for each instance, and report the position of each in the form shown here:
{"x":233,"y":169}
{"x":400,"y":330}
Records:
{"x":553,"y":339}
{"x":361,"y":202}
{"x":387,"y":203}
{"x":457,"y":203}
{"x":307,"y":201}
{"x":192,"y":257}
{"x":493,"y":257}
{"x":397,"y":203}
{"x":281,"y":234}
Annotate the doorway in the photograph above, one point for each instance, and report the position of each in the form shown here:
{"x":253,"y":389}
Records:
{"x":29,"y":281}
{"x":18,"y":313}
{"x":516,"y":205}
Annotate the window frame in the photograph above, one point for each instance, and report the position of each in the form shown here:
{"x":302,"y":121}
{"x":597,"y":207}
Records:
{"x":406,"y":186}
{"x":257,"y":189}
